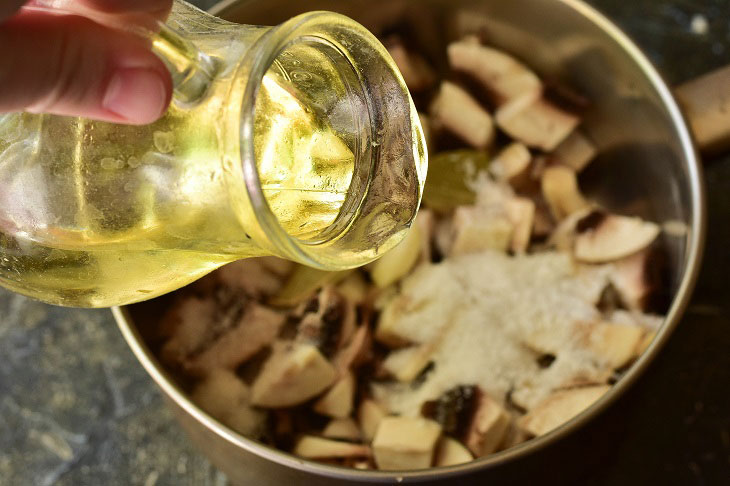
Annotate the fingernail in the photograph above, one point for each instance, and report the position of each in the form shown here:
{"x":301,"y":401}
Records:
{"x":136,"y":95}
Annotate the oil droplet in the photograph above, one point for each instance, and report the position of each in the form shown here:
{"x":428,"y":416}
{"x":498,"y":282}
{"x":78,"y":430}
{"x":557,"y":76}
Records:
{"x":164,"y":142}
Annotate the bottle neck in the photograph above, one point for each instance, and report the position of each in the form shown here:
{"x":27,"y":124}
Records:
{"x":332,"y":153}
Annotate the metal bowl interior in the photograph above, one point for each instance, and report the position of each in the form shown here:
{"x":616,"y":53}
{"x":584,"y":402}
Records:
{"x":647,"y":166}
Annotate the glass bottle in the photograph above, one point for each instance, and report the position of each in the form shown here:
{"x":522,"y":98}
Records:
{"x":299,"y":141}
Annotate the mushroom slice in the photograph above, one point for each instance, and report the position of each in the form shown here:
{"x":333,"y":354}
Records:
{"x":399,"y":261}
{"x":560,"y":407}
{"x":407,"y":363}
{"x":369,"y":414}
{"x":488,"y":426}
{"x":560,"y":189}
{"x":502,"y":76}
{"x":576,"y":151}
{"x":256,"y":329}
{"x":402,"y":443}
{"x":342,"y":428}
{"x":615,"y":344}
{"x":457,"y":111}
{"x":563,"y":236}
{"x":312,"y":447}
{"x":512,"y":164}
{"x":521,"y":212}
{"x":476,"y":228}
{"x":632,"y":280}
{"x":606,"y":237}
{"x":536,"y":122}
{"x":294,"y":373}
{"x":337,"y":402}
{"x":450,"y":452}
{"x":416,"y":72}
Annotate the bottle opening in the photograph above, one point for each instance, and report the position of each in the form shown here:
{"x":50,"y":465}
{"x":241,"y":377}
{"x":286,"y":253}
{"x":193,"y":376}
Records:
{"x":333,"y":154}
{"x":311,"y":139}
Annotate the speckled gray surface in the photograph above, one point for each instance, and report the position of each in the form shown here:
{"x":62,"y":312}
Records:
{"x":77,"y":409}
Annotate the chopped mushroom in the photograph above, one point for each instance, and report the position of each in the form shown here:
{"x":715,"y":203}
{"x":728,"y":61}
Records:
{"x":504,"y":77}
{"x":560,"y":189}
{"x":536,"y":122}
{"x":342,"y":428}
{"x":294,"y":373}
{"x":630,"y":277}
{"x":512,"y":164}
{"x":312,"y":447}
{"x":616,"y":344}
{"x":407,"y":363}
{"x":521,"y":212}
{"x":645,"y":342}
{"x":576,"y":151}
{"x":355,"y":352}
{"x":188,"y":324}
{"x":303,"y":283}
{"x":354,"y":288}
{"x":563,"y":236}
{"x":515,"y":435}
{"x":402,"y":443}
{"x":399,"y":261}
{"x":330,"y":324}
{"x":450,"y":452}
{"x":369,"y":415}
{"x":488,"y":427}
{"x":610,"y":237}
{"x":416,"y":72}
{"x":257,"y":277}
{"x":224,"y":396}
{"x":476,"y":229}
{"x":457,"y":111}
{"x":337,"y":402}
{"x":256,"y":329}
{"x":560,"y":407}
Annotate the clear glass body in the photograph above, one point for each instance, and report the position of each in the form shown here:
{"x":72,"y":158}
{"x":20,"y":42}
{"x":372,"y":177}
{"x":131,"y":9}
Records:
{"x":299,"y":141}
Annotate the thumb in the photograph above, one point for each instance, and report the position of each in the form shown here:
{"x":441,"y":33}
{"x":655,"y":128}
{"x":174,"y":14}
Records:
{"x":70,"y":65}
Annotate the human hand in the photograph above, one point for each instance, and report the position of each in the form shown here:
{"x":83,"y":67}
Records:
{"x":66,"y":64}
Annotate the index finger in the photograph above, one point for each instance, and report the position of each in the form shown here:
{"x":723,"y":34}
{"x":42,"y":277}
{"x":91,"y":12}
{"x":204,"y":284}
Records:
{"x":110,"y":12}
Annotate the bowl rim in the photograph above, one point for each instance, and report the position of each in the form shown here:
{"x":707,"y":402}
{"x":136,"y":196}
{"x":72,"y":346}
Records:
{"x":695,"y":246}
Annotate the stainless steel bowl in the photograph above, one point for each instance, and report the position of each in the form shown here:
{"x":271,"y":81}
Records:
{"x":648,"y":166}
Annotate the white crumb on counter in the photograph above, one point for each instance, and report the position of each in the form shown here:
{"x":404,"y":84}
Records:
{"x":699,"y":25}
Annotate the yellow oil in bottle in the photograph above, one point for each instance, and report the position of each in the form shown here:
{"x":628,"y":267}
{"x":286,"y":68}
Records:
{"x":94,"y":214}
{"x":115,"y":220}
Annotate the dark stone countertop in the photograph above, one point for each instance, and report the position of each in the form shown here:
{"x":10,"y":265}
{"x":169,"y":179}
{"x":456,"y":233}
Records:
{"x":77,"y":409}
